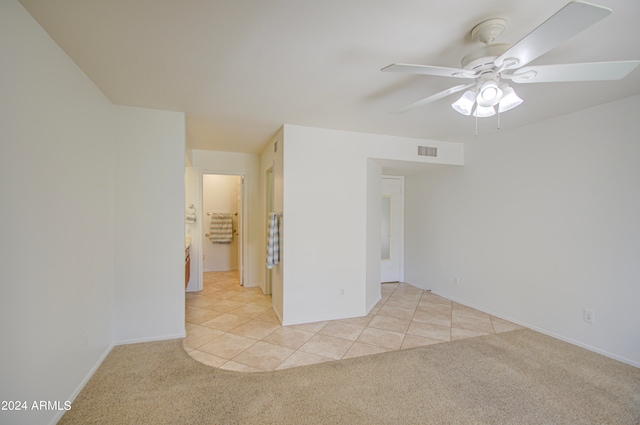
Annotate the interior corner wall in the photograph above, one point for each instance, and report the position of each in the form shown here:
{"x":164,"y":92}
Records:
{"x":56,"y":220}
{"x":149,"y":225}
{"x":541,"y":223}
{"x":327,"y":199}
{"x":215,"y":162}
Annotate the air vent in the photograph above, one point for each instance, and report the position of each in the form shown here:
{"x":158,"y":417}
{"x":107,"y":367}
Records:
{"x":427,"y":151}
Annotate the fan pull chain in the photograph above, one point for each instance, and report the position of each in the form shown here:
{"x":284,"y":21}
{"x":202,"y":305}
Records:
{"x":476,"y":125}
{"x":498,"y":120}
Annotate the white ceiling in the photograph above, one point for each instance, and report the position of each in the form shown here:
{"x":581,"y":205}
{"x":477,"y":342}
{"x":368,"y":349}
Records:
{"x":240,"y":69}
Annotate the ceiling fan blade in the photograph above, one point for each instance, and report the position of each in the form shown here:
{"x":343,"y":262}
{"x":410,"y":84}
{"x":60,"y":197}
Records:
{"x":596,"y":71}
{"x":433,"y":98}
{"x":438,"y":71}
{"x":575,"y":17}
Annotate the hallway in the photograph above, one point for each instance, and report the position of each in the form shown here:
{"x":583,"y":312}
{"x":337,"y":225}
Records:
{"x":234,"y":328}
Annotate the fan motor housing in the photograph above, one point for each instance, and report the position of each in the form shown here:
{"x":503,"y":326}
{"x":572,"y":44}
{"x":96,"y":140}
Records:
{"x":484,"y":57}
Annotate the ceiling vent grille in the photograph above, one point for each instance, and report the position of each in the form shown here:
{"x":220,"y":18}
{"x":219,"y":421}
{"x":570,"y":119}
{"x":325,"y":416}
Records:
{"x":427,"y":151}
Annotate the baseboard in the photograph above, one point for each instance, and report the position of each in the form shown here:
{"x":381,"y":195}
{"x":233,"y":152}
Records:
{"x":581,"y":344}
{"x":277,"y":314}
{"x":80,"y":386}
{"x":104,"y":355}
{"x":151,"y":339}
{"x":369,"y":308}
{"x":544,"y":331}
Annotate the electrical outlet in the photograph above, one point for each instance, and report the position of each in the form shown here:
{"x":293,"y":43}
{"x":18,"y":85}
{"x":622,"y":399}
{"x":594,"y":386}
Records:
{"x":588,"y":315}
{"x":342,"y":292}
{"x":456,"y":280}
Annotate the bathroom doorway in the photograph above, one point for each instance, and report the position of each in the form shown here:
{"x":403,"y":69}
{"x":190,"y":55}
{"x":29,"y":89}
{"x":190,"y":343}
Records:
{"x":223,"y":223}
{"x":269,"y":209}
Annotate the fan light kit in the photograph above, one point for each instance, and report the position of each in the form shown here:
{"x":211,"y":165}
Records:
{"x":492,"y":67}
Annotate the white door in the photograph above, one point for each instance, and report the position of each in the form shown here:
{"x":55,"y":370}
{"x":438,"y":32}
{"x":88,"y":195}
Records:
{"x":392,"y":232}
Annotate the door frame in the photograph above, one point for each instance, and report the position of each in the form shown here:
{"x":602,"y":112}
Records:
{"x":242,"y":240}
{"x":400,"y":231}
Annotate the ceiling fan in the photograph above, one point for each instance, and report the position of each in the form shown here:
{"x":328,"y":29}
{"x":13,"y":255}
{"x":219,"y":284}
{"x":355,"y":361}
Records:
{"x":492,"y":67}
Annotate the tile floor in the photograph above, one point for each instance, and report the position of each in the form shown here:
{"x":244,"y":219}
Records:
{"x":234,"y":328}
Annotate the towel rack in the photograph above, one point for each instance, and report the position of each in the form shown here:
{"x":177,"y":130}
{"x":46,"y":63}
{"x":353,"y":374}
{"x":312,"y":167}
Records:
{"x":190,"y":216}
{"x":209,"y":213}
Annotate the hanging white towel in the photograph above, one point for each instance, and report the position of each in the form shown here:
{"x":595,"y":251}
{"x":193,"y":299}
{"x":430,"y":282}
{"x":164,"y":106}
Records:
{"x":273,"y":240}
{"x":221,"y":228}
{"x":190,"y":217}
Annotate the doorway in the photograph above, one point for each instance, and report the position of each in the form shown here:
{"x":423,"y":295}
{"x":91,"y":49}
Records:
{"x":392,"y":229}
{"x":269,"y":208}
{"x":223,"y":223}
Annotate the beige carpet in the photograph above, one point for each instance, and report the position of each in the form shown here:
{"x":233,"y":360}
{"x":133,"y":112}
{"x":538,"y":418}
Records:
{"x":518,"y":377}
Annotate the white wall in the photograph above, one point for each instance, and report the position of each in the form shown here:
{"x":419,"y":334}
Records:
{"x":149,"y":225}
{"x":91,"y":221}
{"x":56,"y":219}
{"x":328,"y":197}
{"x":541,"y":223}
{"x":214,"y":162}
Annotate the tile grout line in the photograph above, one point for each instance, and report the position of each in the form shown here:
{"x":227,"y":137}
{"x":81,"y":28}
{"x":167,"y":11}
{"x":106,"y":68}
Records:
{"x":412,"y":316}
{"x":244,"y":299}
{"x":366,"y":326}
